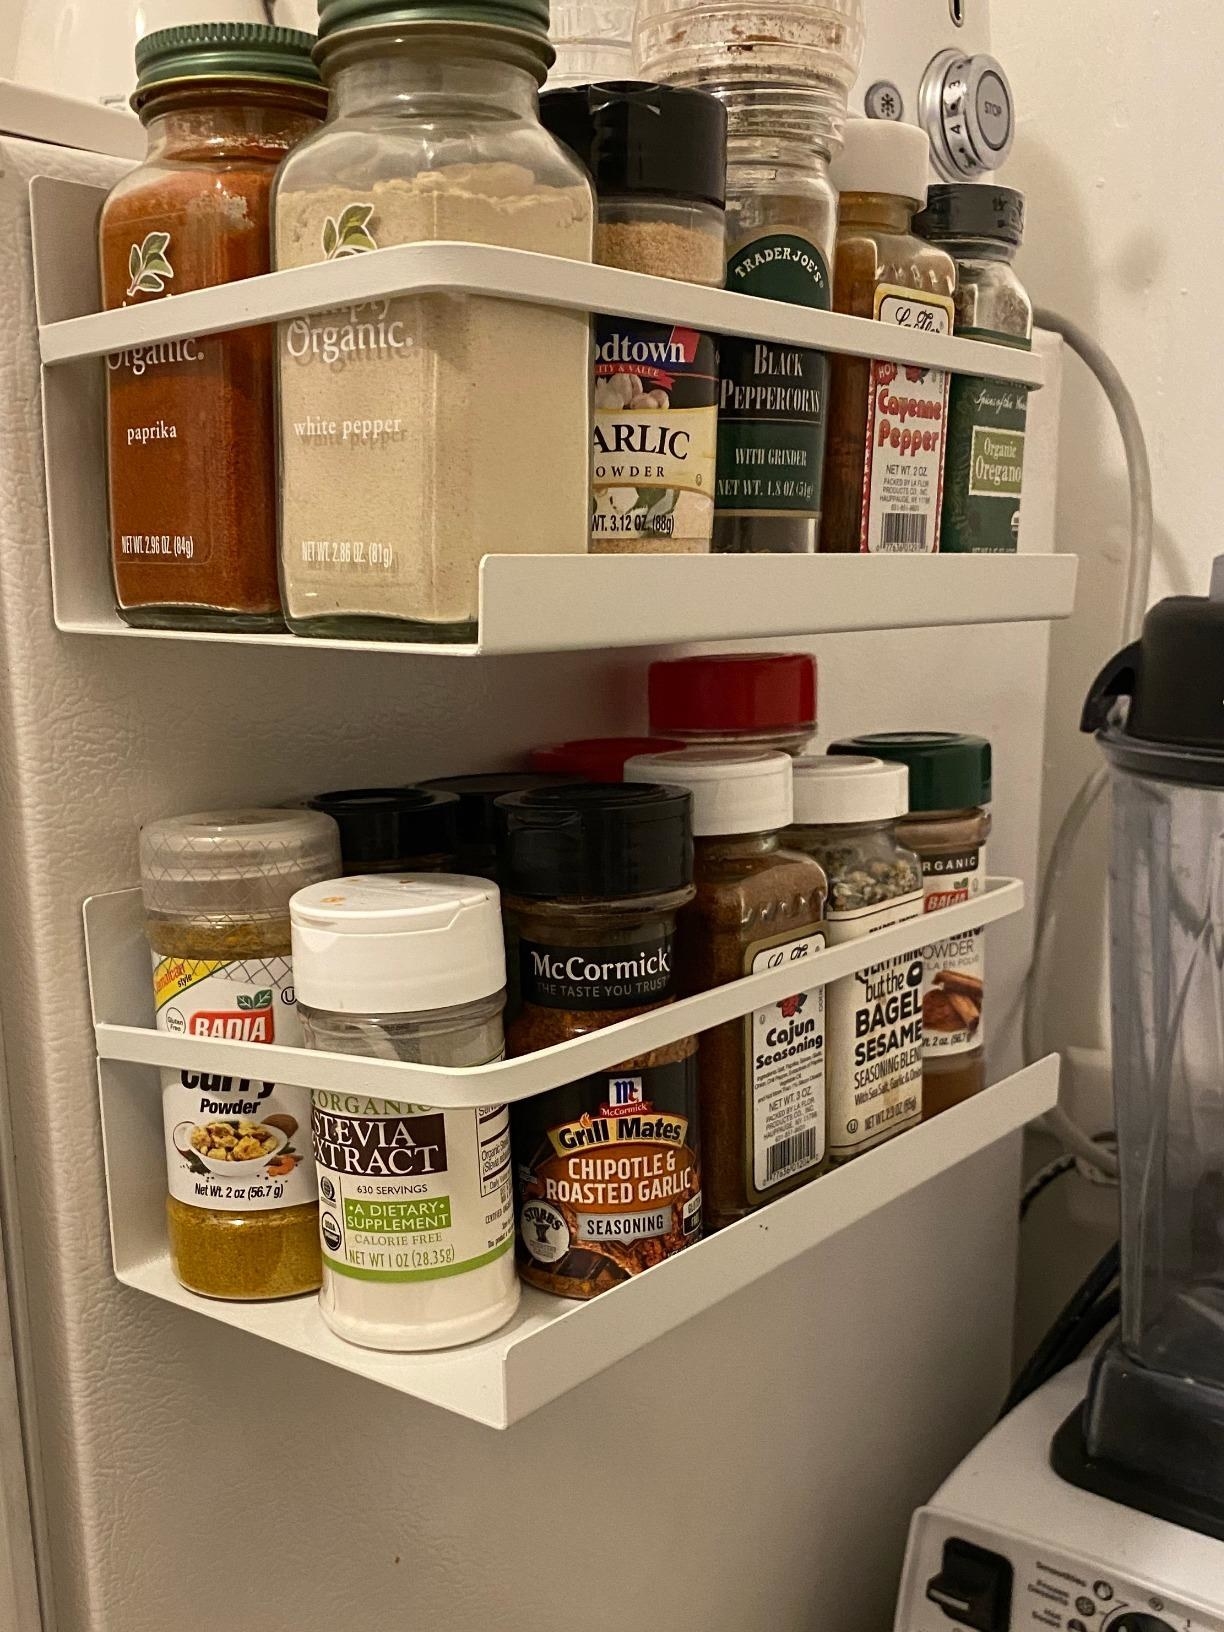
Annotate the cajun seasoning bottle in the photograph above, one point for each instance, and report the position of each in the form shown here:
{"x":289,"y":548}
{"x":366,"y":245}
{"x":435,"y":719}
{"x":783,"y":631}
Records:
{"x":242,"y":1209}
{"x":758,"y":906}
{"x":192,"y":455}
{"x":948,"y":825}
{"x":982,"y":227}
{"x":887,"y":421}
{"x":846,"y":812}
{"x":609,"y":1174}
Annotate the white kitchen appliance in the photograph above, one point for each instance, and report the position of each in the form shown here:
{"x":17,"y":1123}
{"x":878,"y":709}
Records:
{"x":1006,"y":1545}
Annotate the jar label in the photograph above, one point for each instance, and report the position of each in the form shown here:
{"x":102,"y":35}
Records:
{"x":985,"y":464}
{"x":407,"y":1193}
{"x":655,"y":437}
{"x":953,"y":986}
{"x":597,"y":977}
{"x":875,"y":1034}
{"x":771,"y":399}
{"x":906,"y":430}
{"x":233,"y":1144}
{"x":613,"y":1186}
{"x":787,"y":1102}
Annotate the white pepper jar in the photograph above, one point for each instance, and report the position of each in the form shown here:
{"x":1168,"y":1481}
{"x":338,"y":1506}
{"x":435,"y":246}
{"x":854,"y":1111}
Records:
{"x":416,"y":1204}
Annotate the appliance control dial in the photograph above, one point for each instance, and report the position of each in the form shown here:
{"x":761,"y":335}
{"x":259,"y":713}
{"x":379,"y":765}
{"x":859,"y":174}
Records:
{"x":973,"y":1587}
{"x":1137,"y":1620}
{"x":965,"y":106}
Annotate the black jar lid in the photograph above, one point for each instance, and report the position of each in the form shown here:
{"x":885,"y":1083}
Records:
{"x":966,"y":209}
{"x":635,"y":137}
{"x":948,"y":770}
{"x":476,"y":814}
{"x":602,"y":840}
{"x":1173,"y":677}
{"x":384,"y":826}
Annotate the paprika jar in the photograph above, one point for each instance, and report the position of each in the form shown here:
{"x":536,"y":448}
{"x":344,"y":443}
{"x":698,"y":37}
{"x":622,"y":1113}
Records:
{"x":608,"y":1167}
{"x":192,"y":460}
{"x":947,"y":827}
{"x":757,"y":907}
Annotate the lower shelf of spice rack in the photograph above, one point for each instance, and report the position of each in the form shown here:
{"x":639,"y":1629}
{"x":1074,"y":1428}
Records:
{"x":553,"y":1344}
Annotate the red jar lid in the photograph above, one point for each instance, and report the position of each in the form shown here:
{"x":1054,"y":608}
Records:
{"x":739,"y":691}
{"x":597,"y":759}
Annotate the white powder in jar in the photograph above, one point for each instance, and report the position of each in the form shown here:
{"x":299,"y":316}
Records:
{"x":420,"y":433}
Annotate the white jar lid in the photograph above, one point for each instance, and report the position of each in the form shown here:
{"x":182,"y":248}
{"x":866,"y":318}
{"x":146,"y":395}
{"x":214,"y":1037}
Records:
{"x":734,"y":790}
{"x":397,"y":943}
{"x":835,"y":788}
{"x":881,"y":157}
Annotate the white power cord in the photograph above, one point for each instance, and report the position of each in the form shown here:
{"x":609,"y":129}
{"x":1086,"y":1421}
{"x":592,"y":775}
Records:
{"x":1138,"y":583}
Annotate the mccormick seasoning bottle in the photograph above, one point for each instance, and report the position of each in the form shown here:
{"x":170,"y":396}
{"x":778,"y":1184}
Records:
{"x":758,"y":700}
{"x":982,"y":227}
{"x":887,"y":421}
{"x":393,"y":830}
{"x":192,"y":455}
{"x":846,"y":812}
{"x":609,"y":1173}
{"x":758,"y":906}
{"x":948,"y":825}
{"x":658,"y":158}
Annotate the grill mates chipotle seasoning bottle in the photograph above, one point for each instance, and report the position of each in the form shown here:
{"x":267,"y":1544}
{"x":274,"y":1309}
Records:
{"x":608,"y":1167}
{"x":192,"y":457}
{"x":757,"y":907}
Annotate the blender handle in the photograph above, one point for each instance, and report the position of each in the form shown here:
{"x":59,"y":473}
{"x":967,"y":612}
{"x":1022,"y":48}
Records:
{"x":1117,"y":679}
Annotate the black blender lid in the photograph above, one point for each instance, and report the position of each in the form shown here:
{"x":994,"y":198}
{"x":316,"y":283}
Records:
{"x":381,"y":826}
{"x":635,"y":137}
{"x":597,"y":839}
{"x":1172,"y":682}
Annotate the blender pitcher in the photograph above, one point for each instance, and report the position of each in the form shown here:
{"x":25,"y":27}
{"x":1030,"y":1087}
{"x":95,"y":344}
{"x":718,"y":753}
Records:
{"x":1151,"y":1433}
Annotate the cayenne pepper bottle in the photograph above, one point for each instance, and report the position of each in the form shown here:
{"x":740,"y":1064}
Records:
{"x":191,"y":436}
{"x":608,"y":1167}
{"x":757,"y":907}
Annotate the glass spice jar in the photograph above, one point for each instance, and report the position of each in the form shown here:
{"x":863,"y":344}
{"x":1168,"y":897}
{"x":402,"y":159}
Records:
{"x":420,"y":433}
{"x":846,"y":812}
{"x":609,"y":1171}
{"x":596,"y":759}
{"x":764,"y":1125}
{"x":393,"y":830}
{"x":982,"y":226}
{"x":658,"y":157}
{"x":760,"y":700}
{"x":191,"y":445}
{"x":242,"y":1208}
{"x":476,"y":812}
{"x":783,"y":69}
{"x":947,"y":826}
{"x":887,"y":421}
{"x":416,"y":1204}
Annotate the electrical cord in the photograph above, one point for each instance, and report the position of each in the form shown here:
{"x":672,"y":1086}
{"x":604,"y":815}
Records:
{"x":1087,"y":1312}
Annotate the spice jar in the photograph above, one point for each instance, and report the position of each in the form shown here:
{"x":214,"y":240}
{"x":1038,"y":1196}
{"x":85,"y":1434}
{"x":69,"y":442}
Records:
{"x":887,"y":421}
{"x":476,"y":813}
{"x":609,"y":1175}
{"x":416,"y":1206}
{"x":846,"y":812}
{"x":948,"y":825}
{"x":761,"y":700}
{"x":758,"y":906}
{"x":783,"y":69}
{"x":393,"y":830}
{"x":191,"y":457}
{"x":422,"y":432}
{"x":597,"y":759}
{"x":982,"y":227}
{"x":242,"y":1207}
{"x":658,"y":157}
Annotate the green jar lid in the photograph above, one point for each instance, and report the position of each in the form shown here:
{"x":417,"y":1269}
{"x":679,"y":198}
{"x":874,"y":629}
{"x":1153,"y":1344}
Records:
{"x":241,"y":51}
{"x":947,"y":771}
{"x":526,"y":16}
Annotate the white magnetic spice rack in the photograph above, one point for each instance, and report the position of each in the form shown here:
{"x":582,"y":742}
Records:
{"x":528,"y":603}
{"x":552,"y":1344}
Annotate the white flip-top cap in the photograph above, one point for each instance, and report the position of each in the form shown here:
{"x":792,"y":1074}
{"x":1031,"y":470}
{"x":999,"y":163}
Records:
{"x":388,"y":943}
{"x":733,"y":789}
{"x":882,"y":157}
{"x":835,"y":788}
